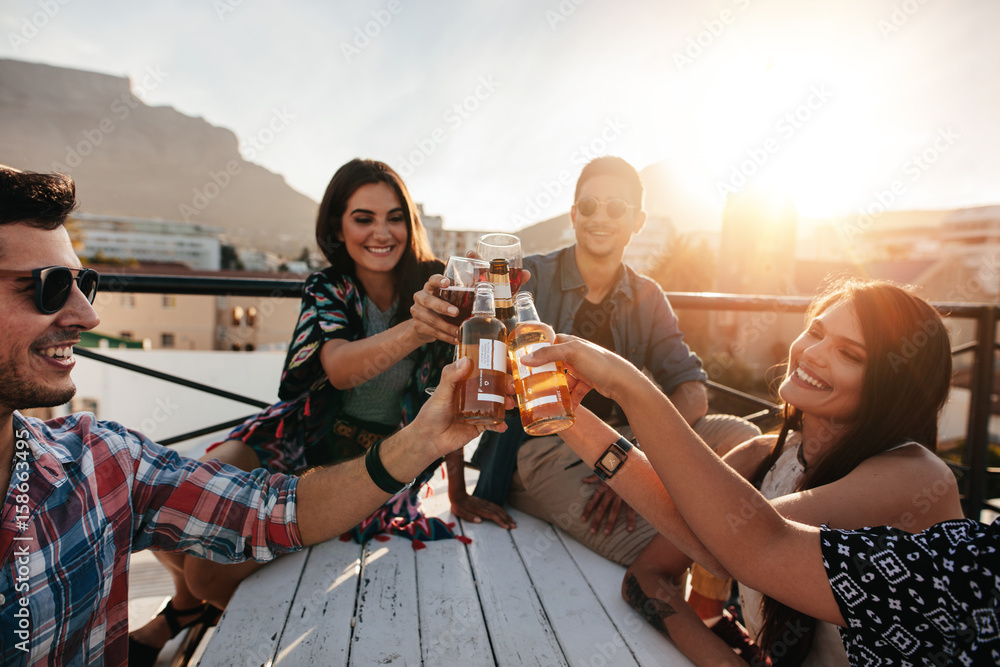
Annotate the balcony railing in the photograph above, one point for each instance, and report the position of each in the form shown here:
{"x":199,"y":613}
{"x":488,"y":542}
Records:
{"x":973,"y":471}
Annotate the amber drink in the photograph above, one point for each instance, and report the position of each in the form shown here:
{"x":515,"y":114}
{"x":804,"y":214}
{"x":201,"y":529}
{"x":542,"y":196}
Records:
{"x":543,"y":397}
{"x":482,"y":338}
{"x":504,"y":304}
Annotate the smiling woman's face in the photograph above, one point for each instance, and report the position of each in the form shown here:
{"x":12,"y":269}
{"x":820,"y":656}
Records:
{"x":374,"y":230}
{"x":826,"y":366}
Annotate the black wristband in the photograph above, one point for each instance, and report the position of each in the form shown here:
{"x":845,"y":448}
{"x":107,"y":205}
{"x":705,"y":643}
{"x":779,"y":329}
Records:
{"x":378,"y":473}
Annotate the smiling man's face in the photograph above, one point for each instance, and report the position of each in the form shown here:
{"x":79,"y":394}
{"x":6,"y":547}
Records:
{"x":599,"y":235}
{"x":35,"y":349}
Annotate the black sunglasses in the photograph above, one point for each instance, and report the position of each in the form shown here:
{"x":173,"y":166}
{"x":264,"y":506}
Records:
{"x":53,"y":285}
{"x":615,"y":207}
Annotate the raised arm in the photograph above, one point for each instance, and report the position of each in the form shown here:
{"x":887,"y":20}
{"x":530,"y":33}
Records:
{"x":786,"y":562}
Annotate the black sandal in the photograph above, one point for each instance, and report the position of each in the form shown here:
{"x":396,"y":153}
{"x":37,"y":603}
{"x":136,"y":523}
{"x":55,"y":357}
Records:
{"x":144,"y":655}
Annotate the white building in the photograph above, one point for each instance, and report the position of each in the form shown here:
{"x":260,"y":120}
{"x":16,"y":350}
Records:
{"x":146,"y":240}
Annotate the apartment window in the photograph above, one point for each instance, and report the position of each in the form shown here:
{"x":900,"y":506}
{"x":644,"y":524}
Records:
{"x":169,"y":301}
{"x":251,"y":316}
{"x":167,"y":340}
{"x":238,"y":316}
{"x":128,"y":301}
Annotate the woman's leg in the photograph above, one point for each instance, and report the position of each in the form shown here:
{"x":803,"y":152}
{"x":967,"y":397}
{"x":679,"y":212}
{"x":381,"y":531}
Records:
{"x":193,"y":577}
{"x":654,"y":586}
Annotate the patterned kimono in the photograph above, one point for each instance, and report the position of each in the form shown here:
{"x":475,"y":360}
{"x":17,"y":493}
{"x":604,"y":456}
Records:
{"x":333,"y":307}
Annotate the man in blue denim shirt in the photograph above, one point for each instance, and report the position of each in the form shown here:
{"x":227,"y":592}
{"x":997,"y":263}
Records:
{"x":587,"y":291}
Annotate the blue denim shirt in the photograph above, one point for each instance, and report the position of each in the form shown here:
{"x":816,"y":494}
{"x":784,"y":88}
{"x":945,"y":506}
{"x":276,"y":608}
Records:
{"x":645,"y":331}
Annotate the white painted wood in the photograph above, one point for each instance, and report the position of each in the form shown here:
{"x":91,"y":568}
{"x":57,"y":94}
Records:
{"x":518,"y":627}
{"x":387,"y":627}
{"x":318,"y":631}
{"x":452,"y":627}
{"x":582,"y":626}
{"x":250,"y":628}
{"x":648,"y":646}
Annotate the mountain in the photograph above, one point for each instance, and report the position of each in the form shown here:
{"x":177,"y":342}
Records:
{"x":134,"y":160}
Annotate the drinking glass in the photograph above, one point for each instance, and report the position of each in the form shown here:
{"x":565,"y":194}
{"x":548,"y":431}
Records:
{"x":503,"y":246}
{"x":462,"y":273}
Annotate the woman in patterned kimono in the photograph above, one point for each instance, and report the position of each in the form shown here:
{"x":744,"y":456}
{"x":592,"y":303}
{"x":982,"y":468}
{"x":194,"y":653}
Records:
{"x":356,"y":371}
{"x":864,"y":385}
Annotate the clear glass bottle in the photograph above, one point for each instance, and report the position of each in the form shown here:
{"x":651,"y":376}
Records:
{"x":482,"y":338}
{"x":542,"y":392}
{"x":500,"y":279}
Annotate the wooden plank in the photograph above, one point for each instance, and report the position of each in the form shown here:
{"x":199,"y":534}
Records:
{"x":318,"y":630}
{"x":251,"y":626}
{"x":582,"y":626}
{"x":648,"y":646}
{"x":452,"y":627}
{"x":387,"y":625}
{"x":519,"y":629}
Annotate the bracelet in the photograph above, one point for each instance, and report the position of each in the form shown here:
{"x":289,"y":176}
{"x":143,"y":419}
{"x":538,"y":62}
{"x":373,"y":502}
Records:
{"x":381,"y":476}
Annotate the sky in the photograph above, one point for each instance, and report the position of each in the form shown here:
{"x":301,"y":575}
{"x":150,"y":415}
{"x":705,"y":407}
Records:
{"x":490,"y":108}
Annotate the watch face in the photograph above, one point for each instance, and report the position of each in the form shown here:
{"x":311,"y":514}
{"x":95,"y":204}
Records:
{"x":610,"y":461}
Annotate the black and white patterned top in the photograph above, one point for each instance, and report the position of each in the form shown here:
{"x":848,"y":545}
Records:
{"x":927,"y":599}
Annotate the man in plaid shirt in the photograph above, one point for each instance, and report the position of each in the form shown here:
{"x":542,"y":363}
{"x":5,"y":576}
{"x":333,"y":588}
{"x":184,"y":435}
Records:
{"x":80,"y":494}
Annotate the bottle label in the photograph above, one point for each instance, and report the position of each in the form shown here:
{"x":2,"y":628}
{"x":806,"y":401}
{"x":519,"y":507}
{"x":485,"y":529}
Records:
{"x":501,"y":291}
{"x":525,"y":371}
{"x":492,"y":355}
{"x":531,"y":405}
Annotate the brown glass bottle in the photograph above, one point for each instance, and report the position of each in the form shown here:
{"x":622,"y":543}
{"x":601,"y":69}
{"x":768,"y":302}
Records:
{"x":500,"y":279}
{"x":482,"y":338}
{"x":542,"y":392}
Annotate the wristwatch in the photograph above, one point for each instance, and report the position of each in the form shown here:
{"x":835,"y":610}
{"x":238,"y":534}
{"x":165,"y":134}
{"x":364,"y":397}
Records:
{"x":612,"y":459}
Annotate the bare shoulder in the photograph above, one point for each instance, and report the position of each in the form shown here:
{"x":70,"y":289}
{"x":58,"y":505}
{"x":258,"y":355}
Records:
{"x":912,"y":459}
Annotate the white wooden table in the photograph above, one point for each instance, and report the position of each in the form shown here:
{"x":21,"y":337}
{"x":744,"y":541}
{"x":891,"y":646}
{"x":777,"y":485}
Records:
{"x":530,"y":596}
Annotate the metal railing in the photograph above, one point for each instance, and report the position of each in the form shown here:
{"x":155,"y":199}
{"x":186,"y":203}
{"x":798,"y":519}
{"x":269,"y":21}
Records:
{"x":972,"y":472}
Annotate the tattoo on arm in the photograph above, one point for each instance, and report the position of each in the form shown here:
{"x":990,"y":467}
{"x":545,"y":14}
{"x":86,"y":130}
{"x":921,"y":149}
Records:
{"x":655,"y":611}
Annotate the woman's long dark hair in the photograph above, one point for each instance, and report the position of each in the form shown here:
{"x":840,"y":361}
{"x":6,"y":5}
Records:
{"x":905,"y":383}
{"x":417,"y":262}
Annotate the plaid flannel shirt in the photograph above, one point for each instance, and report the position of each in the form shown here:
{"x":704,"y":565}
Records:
{"x":84,"y":494}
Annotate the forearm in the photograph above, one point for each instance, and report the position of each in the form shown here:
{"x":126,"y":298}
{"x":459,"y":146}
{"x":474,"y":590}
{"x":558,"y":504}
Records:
{"x":638,"y":485}
{"x":336,"y":498}
{"x":351,"y":363}
{"x":455,"y":467}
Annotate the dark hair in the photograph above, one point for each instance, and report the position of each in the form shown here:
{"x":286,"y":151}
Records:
{"x":904,"y":386}
{"x":610,"y":165}
{"x":414,"y":266}
{"x":39,"y":200}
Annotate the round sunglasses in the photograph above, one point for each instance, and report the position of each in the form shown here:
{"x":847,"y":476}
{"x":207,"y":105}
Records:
{"x":615,"y":208}
{"x":53,"y":285}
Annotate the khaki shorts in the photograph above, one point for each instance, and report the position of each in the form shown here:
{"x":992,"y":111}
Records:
{"x":547,"y":485}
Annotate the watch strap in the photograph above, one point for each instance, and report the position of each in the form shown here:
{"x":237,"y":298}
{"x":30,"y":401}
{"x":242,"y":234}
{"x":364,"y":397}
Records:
{"x":378,"y":473}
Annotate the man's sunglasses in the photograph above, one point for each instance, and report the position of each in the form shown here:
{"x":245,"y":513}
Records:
{"x":615,"y":208}
{"x":53,"y":285}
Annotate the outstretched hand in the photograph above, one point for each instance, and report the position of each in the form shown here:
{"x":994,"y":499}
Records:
{"x":429,"y":312}
{"x":436,"y":420}
{"x":591,"y":365}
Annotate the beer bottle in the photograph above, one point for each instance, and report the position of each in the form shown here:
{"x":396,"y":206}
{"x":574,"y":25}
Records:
{"x":500,"y":279}
{"x":482,"y":338}
{"x":542,"y":391}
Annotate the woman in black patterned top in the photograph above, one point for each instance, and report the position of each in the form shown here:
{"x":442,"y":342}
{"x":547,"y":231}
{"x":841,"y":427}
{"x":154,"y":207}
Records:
{"x":927,"y":598}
